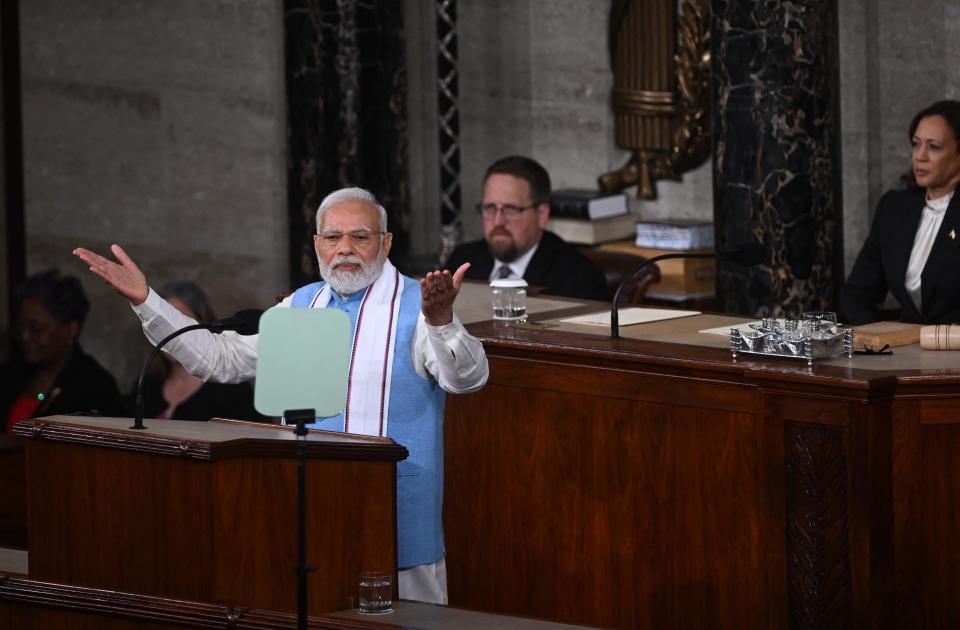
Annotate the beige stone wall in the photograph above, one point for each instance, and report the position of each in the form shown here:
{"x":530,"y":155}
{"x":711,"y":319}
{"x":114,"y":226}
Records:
{"x":160,"y":126}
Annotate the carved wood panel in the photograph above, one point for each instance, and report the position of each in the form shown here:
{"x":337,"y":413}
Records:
{"x":818,"y":571}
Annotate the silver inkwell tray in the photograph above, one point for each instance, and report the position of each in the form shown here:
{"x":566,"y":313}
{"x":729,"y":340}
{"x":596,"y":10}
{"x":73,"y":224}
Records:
{"x":814,"y":336}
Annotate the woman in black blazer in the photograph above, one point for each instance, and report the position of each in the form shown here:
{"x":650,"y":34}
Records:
{"x":49,"y":373}
{"x":913,"y":249}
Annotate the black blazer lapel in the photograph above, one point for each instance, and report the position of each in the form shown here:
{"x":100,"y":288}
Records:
{"x":904,"y":233}
{"x":541,"y":263}
{"x":899,"y":232}
{"x":944,"y":249}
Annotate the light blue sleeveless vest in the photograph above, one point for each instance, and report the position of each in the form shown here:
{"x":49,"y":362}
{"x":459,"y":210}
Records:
{"x":415,"y":421}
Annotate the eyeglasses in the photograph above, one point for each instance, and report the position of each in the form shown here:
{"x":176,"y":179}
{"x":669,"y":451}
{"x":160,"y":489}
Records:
{"x":510,"y":212}
{"x":360,"y":238}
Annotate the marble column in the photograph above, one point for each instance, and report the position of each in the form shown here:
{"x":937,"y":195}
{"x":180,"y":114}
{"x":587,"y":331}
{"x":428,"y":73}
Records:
{"x":776,"y":157}
{"x":346,"y":97}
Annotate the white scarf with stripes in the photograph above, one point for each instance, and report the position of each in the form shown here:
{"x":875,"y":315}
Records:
{"x":371,"y":356}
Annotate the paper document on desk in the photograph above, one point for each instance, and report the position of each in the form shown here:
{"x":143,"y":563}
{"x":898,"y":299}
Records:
{"x":628,"y":316}
{"x":725,"y":330}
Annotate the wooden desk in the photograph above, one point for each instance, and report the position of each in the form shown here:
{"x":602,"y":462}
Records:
{"x":206,"y":511}
{"x":13,"y":493}
{"x":34,"y":605}
{"x":655,"y":482}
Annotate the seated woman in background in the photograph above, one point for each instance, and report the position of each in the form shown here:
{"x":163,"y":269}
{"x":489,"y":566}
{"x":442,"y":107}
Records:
{"x":170,"y":393}
{"x":913,"y":249}
{"x":49,"y":373}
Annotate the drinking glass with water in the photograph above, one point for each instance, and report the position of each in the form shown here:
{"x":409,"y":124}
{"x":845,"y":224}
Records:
{"x":375,"y":593}
{"x":509,"y":297}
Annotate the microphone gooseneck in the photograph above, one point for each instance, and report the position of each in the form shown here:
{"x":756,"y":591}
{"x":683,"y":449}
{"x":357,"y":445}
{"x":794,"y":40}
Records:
{"x":748,"y":255}
{"x":245,"y":322}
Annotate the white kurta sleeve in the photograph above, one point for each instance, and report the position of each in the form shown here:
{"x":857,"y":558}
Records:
{"x":222,"y":358}
{"x":451,"y":355}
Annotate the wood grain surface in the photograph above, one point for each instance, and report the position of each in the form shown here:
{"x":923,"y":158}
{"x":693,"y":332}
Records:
{"x":633,"y":483}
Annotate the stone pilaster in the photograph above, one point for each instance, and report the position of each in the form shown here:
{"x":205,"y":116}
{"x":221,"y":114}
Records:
{"x":776,"y":160}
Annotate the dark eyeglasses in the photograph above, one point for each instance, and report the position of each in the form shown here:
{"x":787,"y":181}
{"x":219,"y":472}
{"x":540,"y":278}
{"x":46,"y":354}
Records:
{"x":510,"y":212}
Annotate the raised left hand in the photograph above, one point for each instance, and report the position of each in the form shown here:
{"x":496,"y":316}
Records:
{"x":438,"y":290}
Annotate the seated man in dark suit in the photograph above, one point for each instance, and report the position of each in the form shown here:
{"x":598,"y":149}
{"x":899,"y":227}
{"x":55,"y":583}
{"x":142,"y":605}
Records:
{"x":515,"y":209}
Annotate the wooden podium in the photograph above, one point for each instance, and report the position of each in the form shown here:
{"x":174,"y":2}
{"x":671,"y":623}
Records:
{"x":206,"y":512}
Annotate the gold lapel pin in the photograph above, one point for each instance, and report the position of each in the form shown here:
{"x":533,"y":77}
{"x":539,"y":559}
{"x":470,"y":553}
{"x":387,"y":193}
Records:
{"x":953,"y":235}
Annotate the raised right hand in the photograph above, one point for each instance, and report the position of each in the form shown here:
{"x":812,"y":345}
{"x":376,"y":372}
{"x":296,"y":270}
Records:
{"x":125,"y":277}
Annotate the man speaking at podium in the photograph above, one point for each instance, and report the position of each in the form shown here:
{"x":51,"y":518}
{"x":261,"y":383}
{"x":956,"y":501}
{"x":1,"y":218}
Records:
{"x":432,"y":354}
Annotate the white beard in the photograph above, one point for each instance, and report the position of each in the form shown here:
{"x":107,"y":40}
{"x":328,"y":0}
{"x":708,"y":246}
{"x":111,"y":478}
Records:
{"x":349,"y":282}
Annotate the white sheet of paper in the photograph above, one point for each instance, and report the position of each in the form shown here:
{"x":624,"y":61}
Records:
{"x":628,"y":316}
{"x":725,"y":330}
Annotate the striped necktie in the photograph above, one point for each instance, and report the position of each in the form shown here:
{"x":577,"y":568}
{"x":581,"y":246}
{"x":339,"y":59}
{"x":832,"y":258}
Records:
{"x":504,"y":272}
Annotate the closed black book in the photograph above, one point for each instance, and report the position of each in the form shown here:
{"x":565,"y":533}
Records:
{"x":579,"y":203}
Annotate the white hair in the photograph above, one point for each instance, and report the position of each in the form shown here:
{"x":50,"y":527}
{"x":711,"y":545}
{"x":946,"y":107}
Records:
{"x":351,"y":194}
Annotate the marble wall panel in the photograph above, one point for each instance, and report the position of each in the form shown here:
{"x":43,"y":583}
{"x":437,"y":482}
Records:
{"x":495,"y":93}
{"x":775,"y":153}
{"x":84,"y":151}
{"x":490,"y":129}
{"x":572,"y":125}
{"x":217,"y":44}
{"x":494,"y":48}
{"x":951,"y":26}
{"x":911,"y":76}
{"x":422,"y":111}
{"x":859,"y":120}
{"x":582,"y":131}
{"x":569,"y":53}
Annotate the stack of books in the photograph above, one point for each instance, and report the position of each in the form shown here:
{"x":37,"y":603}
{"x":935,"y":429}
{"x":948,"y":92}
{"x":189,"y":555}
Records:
{"x":589,"y":217}
{"x":675,"y":234}
{"x":681,"y":279}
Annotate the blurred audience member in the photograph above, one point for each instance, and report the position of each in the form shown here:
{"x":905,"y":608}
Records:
{"x":169,"y":392}
{"x":49,"y":373}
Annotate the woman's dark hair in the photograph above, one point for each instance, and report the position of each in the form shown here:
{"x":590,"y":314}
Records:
{"x":61,"y":296}
{"x":193,"y":297}
{"x":950,"y":112}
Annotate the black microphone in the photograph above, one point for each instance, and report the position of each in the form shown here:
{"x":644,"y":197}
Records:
{"x":245,"y":322}
{"x":748,"y":255}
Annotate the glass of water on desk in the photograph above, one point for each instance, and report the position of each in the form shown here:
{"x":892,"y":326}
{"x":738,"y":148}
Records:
{"x":509,"y":297}
{"x":376,"y":593}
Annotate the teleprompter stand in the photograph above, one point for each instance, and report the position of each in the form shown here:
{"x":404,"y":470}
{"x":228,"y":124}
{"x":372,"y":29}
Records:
{"x":300,"y":418}
{"x":302,"y":362}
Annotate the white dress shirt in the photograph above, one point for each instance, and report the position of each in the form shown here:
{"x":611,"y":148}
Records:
{"x":930,"y":222}
{"x":449,"y":353}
